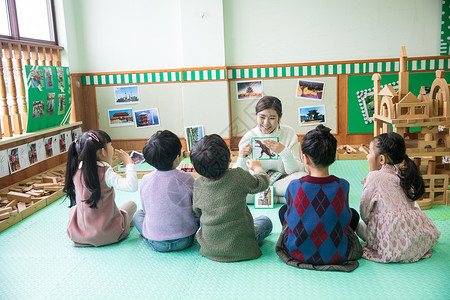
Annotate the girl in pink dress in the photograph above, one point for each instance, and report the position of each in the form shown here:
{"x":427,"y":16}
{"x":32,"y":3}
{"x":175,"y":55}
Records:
{"x":397,"y":230}
{"x":94,"y":218}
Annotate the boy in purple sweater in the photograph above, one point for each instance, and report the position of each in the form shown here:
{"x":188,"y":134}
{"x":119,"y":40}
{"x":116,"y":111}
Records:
{"x":167,"y":221}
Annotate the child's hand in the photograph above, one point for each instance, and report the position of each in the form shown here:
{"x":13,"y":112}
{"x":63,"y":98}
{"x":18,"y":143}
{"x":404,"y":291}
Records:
{"x":254,"y":164}
{"x":125,"y":157}
{"x":245,"y":151}
{"x":364,"y":181}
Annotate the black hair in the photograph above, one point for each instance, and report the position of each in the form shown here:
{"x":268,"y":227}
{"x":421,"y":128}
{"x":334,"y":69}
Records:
{"x":211,"y":156}
{"x":84,"y":149}
{"x":392,"y":146}
{"x":320,"y":145}
{"x":162,"y":149}
{"x":269,"y":102}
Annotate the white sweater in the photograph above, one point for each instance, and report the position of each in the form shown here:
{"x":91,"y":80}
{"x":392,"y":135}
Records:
{"x":288,"y":161}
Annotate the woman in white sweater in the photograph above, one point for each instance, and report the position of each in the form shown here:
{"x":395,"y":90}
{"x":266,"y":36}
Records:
{"x":268,"y":116}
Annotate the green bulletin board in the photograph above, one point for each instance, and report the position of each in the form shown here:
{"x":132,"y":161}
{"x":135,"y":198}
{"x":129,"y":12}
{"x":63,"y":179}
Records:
{"x":49,"y":97}
{"x":356,"y":122}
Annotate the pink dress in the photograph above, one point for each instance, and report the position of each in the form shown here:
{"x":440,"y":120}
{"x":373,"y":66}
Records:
{"x":397,"y":230}
{"x":96,"y":226}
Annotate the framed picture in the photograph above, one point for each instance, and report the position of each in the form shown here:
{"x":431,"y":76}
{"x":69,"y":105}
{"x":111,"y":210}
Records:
{"x":312,"y":90}
{"x":32,"y":153}
{"x":273,"y":176}
{"x":261,"y":151}
{"x":60,"y":77}
{"x":37,"y":79}
{"x":48,"y":78}
{"x":137,"y":157}
{"x":120,"y":117}
{"x":193,"y":135}
{"x":247,"y":90}
{"x":312,"y":115}
{"x":61,"y":104}
{"x":146,"y":118}
{"x":18,"y":158}
{"x":50,"y":104}
{"x":264,"y":199}
{"x":126,"y":94}
{"x":38,"y":109}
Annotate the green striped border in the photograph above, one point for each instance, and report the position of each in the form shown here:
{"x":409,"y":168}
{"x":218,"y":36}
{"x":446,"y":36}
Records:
{"x":132,"y":78}
{"x":266,"y":72}
{"x":337,"y":69}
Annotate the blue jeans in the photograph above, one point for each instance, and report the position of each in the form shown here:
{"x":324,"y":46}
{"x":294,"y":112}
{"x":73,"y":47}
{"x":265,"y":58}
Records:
{"x":162,"y":246}
{"x":263,"y":227}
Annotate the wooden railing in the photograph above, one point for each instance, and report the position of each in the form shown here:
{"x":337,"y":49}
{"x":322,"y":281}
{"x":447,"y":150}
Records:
{"x":13,"y":56}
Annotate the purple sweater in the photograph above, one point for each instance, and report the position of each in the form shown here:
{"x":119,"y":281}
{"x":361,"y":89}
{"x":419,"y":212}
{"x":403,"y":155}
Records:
{"x":167,"y":202}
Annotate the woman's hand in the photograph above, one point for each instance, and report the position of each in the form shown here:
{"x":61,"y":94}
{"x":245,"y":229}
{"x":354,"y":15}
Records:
{"x":245,"y":151}
{"x":274,"y":146}
{"x":254,"y":165}
{"x":125,"y":157}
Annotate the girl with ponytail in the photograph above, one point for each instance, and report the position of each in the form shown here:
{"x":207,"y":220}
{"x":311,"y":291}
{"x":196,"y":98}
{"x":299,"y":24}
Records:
{"x":393,"y":226}
{"x":95,"y":219}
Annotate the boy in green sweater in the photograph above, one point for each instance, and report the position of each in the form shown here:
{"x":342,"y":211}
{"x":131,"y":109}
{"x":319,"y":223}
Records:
{"x":228,"y":232}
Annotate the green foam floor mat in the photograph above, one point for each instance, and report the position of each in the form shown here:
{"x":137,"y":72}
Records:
{"x":38,"y":261}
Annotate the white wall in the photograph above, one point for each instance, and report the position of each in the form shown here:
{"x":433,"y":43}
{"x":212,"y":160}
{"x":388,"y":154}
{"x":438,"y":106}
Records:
{"x":117,"y":35}
{"x":296,"y":31}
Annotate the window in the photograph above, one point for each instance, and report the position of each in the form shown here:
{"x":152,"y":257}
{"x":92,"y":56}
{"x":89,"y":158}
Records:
{"x":28,"y":20}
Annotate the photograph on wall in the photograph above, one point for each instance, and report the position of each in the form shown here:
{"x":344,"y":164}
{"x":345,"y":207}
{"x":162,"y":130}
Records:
{"x":61,"y":104}
{"x":312,"y":115}
{"x":48,"y":146}
{"x":65,"y":138}
{"x":120,"y":117}
{"x":38,"y":109}
{"x":247,"y":90}
{"x":55,"y":145}
{"x":311,"y":90}
{"x":264,"y":199}
{"x":4,"y":163}
{"x":48,"y":78}
{"x":14,"y":161}
{"x":193,"y":135}
{"x":76,"y":133}
{"x":60,"y":76}
{"x":126,"y":94}
{"x":37,"y":78}
{"x":32,"y":153}
{"x":146,"y":118}
{"x":18,"y":158}
{"x":366,"y":101}
{"x":261,"y":151}
{"x":50,"y":104}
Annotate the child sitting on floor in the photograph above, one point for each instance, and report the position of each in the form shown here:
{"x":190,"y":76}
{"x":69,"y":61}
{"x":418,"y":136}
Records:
{"x":166,"y":221}
{"x":228,"y":232}
{"x":397,"y":230}
{"x":317,"y":221}
{"x":90,"y":182}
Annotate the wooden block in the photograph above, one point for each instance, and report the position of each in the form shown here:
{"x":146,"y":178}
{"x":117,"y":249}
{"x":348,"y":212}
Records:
{"x":15,"y":189}
{"x":52,"y":188}
{"x":19,"y":197}
{"x":425,"y":204}
{"x":6,"y":210}
{"x":47,"y":179}
{"x":21,"y":206}
{"x":5,"y":215}
{"x":36,"y":193}
{"x":12,"y":203}
{"x":42,"y":185}
{"x":27,"y":189}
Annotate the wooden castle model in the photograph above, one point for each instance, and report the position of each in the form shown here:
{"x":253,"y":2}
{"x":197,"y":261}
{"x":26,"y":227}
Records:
{"x":400,"y":110}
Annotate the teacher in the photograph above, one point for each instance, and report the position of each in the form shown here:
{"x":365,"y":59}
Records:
{"x":268,"y":116}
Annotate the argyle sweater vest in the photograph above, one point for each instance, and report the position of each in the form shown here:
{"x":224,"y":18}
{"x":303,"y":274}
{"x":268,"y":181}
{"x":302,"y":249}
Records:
{"x":318,"y":216}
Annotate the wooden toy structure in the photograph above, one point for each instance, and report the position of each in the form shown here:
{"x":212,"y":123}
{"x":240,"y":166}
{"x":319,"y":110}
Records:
{"x":401,"y":110}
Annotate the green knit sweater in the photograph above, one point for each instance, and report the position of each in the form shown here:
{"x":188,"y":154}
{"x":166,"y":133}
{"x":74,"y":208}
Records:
{"x":227,"y":233}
